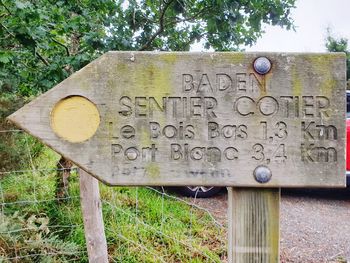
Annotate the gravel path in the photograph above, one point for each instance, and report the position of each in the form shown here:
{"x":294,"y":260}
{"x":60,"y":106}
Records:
{"x":315,"y":225}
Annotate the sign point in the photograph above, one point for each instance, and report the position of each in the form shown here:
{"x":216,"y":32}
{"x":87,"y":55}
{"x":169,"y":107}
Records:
{"x":193,"y":117}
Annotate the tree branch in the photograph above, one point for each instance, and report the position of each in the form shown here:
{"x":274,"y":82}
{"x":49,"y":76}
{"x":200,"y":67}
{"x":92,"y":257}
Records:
{"x":161,"y":26}
{"x":35,"y":51}
{"x":8,"y":31}
{"x":41,"y":58}
{"x":190,"y":41}
{"x":62,"y":45}
{"x":190,"y":18}
{"x":8,"y":10}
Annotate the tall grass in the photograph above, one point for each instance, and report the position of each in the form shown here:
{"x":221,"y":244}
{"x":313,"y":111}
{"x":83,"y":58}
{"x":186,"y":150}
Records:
{"x":141,"y":225}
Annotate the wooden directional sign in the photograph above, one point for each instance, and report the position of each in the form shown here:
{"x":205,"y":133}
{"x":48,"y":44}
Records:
{"x":143,"y":118}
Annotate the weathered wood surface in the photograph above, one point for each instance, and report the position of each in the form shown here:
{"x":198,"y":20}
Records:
{"x":253,"y":225}
{"x":199,"y":119}
{"x":93,"y":221}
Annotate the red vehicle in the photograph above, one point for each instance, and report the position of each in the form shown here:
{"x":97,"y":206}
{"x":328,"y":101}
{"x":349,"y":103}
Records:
{"x":348,"y":138}
{"x":207,"y":191}
{"x":348,"y":150}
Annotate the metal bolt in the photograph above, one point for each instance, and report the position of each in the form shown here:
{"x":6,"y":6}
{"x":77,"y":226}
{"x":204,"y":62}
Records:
{"x":262,"y":65}
{"x":262,"y":174}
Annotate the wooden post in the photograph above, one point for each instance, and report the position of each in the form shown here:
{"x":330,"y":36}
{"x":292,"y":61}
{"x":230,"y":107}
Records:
{"x":253,"y":225}
{"x":93,"y":221}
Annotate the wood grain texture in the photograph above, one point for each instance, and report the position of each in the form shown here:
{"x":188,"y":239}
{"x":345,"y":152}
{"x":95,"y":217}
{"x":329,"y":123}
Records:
{"x":204,"y":119}
{"x":93,"y":221}
{"x":253,"y":225}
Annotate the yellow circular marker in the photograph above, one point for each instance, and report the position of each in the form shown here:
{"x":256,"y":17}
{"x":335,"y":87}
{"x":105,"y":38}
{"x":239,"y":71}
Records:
{"x":75,"y":119}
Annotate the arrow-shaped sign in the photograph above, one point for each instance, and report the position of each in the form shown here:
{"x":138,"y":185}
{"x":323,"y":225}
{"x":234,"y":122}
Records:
{"x":242,"y":119}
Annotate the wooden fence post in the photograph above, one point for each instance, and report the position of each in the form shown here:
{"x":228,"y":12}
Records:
{"x":93,"y":222}
{"x":253,"y":225}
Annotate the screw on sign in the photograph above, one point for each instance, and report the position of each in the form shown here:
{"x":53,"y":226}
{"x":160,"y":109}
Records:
{"x":262,"y":65}
{"x":262,"y":174}
{"x":248,"y":121}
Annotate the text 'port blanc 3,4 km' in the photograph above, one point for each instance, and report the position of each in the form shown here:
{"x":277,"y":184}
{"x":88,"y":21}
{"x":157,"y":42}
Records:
{"x":146,"y":118}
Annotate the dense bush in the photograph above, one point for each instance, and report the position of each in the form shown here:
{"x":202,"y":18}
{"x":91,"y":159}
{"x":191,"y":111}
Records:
{"x":14,"y":146}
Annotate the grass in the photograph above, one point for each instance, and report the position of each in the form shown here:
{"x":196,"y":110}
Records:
{"x":141,"y":225}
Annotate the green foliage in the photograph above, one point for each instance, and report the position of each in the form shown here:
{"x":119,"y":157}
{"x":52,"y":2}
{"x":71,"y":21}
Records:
{"x":14,"y":146}
{"x":44,"y":41}
{"x":140,"y":225}
{"x":34,"y":243}
{"x":339,"y":45}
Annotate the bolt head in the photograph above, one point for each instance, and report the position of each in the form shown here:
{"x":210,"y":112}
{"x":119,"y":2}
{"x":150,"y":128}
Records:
{"x":262,"y":65}
{"x":262,"y":174}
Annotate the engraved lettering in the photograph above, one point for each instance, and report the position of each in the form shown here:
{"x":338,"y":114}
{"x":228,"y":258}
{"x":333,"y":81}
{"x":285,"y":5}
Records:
{"x":305,"y":130}
{"x":281,"y":128}
{"x":223,"y":81}
{"x":110,"y":131}
{"x":312,"y":153}
{"x":325,"y":154}
{"x":127,"y":132}
{"x":196,"y":106}
{"x":197,"y":173}
{"x":296,"y":107}
{"x":204,"y":84}
{"x":255,"y":84}
{"x":245,"y":106}
{"x":213,"y":130}
{"x":242,"y":132}
{"x":154,"y":128}
{"x":197,"y":153}
{"x":154,"y":105}
{"x":187,"y":82}
{"x":264,"y":129}
{"x":231,"y":153}
{"x":116,"y":149}
{"x":280,"y":154}
{"x":308,"y":106}
{"x":189,"y":132}
{"x":131,"y":153}
{"x":227,"y":131}
{"x":213,"y":155}
{"x":327,"y":132}
{"x":241,"y":81}
{"x":149,"y":153}
{"x":126,"y":104}
{"x":170,"y":131}
{"x":288,"y":106}
{"x":258,"y":152}
{"x":174,"y":102}
{"x":175,"y":153}
{"x":210,"y":105}
{"x":140,"y":106}
{"x":208,"y":154}
{"x":179,"y":131}
{"x":268,"y":106}
{"x":322,"y":105}
{"x":312,"y":131}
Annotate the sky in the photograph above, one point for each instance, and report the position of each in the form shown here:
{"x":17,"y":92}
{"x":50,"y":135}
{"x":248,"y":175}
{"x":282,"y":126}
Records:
{"x":311,"y":18}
